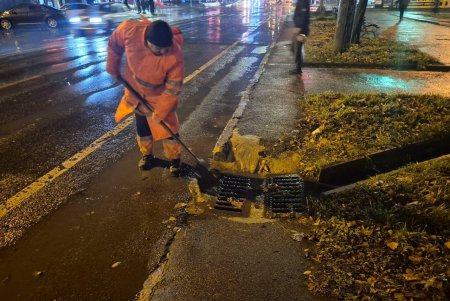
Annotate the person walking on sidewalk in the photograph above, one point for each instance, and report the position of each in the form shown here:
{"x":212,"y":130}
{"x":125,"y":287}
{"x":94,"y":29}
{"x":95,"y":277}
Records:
{"x":154,"y":68}
{"x":301,"y":30}
{"x":402,"y":5}
{"x":140,"y":6}
{"x":151,"y":6}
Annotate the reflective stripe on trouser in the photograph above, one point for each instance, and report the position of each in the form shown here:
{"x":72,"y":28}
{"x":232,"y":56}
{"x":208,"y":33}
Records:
{"x":145,"y":144}
{"x":172,"y":149}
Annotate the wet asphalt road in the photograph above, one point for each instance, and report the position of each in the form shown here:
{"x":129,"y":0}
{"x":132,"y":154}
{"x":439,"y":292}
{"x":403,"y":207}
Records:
{"x":56,"y":98}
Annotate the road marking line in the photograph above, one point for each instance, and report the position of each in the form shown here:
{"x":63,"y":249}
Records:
{"x":40,"y":183}
{"x":19,"y":81}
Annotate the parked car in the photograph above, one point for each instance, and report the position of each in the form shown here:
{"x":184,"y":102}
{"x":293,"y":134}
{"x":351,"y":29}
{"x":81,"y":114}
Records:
{"x":210,"y":3}
{"x":31,"y":14}
{"x":106,"y":16}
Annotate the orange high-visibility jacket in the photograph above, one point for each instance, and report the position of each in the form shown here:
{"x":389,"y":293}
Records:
{"x":157,"y":78}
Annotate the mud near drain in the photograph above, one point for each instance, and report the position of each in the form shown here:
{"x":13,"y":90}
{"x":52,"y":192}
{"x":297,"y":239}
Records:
{"x":245,"y":154}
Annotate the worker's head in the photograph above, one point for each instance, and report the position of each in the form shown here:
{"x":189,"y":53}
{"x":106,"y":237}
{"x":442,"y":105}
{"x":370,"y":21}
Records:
{"x":159,"y":37}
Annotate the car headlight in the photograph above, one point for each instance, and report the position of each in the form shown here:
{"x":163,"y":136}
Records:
{"x":75,"y":20}
{"x":95,"y":20}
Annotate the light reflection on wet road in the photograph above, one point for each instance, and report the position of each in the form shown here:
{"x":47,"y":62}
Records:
{"x":56,"y":100}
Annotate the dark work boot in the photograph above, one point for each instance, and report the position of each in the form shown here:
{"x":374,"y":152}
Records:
{"x":146,"y":163}
{"x":175,"y":167}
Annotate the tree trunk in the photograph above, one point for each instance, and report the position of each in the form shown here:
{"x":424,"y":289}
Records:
{"x":343,"y":34}
{"x":321,"y":9}
{"x":359,"y":20}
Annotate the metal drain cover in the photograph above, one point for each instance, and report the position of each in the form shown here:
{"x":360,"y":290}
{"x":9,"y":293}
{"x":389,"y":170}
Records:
{"x":231,"y":193}
{"x":284,"y":195}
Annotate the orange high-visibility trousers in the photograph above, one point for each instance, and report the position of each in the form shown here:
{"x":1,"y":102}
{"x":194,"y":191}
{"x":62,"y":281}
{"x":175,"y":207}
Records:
{"x":172,"y":149}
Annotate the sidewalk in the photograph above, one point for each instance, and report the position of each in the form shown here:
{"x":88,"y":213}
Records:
{"x":440,"y":18}
{"x":231,"y":256}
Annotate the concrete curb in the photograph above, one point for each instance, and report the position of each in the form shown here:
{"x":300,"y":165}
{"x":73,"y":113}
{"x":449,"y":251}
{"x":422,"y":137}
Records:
{"x":426,"y":21}
{"x":437,"y":68}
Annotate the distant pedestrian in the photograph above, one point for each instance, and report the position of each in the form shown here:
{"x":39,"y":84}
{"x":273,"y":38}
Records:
{"x":126,"y":3}
{"x":151,"y":6}
{"x":300,"y":32}
{"x":141,"y":6}
{"x":402,"y":5}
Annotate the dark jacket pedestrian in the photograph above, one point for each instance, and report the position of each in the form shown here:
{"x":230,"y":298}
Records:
{"x":126,"y":3}
{"x":301,"y":24}
{"x":140,"y":6}
{"x":301,"y":16}
{"x":402,"y":5}
{"x":151,"y":6}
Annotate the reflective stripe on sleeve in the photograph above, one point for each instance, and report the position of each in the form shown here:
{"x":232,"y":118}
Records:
{"x":173,"y":92}
{"x":174,"y":83}
{"x":144,"y":83}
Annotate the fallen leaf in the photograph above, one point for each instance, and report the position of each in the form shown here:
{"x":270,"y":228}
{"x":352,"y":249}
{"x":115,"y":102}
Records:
{"x":116,"y":264}
{"x":307,"y":273}
{"x":392,"y":245}
{"x":38,"y":273}
{"x":410,"y":276}
{"x":399,"y":297}
{"x":180,"y":205}
{"x":297,"y":236}
{"x":172,"y":219}
{"x":447,"y":244}
{"x":415,"y":258}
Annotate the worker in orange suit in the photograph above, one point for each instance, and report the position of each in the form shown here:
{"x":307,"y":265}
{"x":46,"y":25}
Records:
{"x":154,"y":68}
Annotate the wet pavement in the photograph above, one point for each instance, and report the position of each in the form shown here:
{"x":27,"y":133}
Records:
{"x":102,"y":230}
{"x":430,"y":38}
{"x":222,"y":255}
{"x":97,"y":230}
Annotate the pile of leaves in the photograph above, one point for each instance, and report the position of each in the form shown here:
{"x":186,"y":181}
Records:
{"x":416,"y":197}
{"x":379,"y":51}
{"x":368,"y":262}
{"x":335,"y":127}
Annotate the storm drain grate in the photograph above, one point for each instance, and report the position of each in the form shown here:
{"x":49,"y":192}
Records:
{"x":231,"y":193}
{"x":284,"y":195}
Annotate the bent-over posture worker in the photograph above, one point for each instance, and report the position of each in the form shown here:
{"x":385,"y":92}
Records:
{"x":154,"y":69}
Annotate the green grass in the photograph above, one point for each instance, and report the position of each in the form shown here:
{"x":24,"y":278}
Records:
{"x":335,"y":127}
{"x":371,"y":51}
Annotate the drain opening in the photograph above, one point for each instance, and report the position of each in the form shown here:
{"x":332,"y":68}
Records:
{"x":284,"y":195}
{"x":232,"y":191}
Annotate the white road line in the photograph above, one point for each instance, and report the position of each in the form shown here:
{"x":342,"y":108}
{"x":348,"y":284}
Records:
{"x":40,"y":183}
